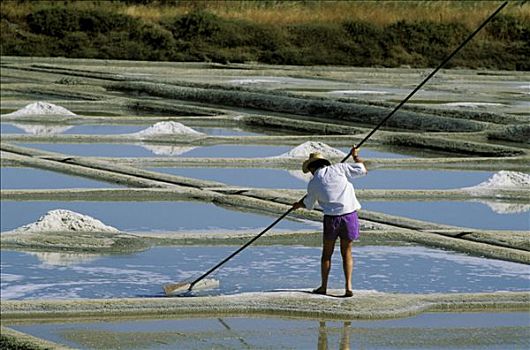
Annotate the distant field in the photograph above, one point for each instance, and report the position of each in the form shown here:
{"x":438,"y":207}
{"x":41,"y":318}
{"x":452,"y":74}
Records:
{"x":358,"y":33}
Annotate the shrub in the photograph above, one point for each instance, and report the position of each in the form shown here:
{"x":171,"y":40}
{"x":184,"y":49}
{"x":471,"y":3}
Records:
{"x":195,"y":25}
{"x":54,"y":21}
{"x":367,"y":47}
{"x":97,"y":21}
{"x":431,"y":40}
{"x":509,"y":28}
{"x":153,"y":36}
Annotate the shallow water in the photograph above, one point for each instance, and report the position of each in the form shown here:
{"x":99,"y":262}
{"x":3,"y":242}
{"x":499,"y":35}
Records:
{"x":217,"y":131}
{"x":104,"y":129}
{"x":130,"y":150}
{"x":32,"y":178}
{"x":376,"y":179}
{"x":149,"y":216}
{"x":6,"y":128}
{"x":456,"y":213}
{"x":250,"y":177}
{"x":108,"y":129}
{"x":151,"y":150}
{"x":446,"y":330}
{"x":405,"y":269}
{"x":421,"y":179}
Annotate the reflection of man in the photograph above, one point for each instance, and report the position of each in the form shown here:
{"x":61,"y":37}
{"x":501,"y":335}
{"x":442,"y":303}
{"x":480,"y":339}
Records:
{"x":331,"y":187}
{"x":344,"y":337}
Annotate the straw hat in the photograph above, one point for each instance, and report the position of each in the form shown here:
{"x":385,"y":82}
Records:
{"x":313,"y":157}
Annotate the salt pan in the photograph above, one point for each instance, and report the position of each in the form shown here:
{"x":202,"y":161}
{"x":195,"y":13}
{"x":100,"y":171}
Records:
{"x":40,"y":108}
{"x":167,"y":128}
{"x":62,"y":220}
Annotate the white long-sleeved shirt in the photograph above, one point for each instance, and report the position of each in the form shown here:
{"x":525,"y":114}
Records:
{"x":331,"y":187}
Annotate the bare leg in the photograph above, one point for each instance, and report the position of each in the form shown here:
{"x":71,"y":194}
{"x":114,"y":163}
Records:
{"x":325,"y":263}
{"x":347,"y":261}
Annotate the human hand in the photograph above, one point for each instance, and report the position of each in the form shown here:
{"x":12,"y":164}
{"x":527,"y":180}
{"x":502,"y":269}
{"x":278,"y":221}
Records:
{"x":298,"y":205}
{"x":355,"y":154}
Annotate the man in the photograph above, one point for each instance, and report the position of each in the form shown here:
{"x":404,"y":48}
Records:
{"x":331,"y":187}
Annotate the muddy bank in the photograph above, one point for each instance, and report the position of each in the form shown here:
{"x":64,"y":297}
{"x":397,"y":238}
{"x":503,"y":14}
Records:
{"x":89,"y":242}
{"x":363,"y":305}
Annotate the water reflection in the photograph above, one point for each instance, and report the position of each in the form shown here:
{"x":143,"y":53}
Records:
{"x":132,"y":150}
{"x":477,"y":330}
{"x":344,"y":343}
{"x":42,"y":129}
{"x":64,"y":259}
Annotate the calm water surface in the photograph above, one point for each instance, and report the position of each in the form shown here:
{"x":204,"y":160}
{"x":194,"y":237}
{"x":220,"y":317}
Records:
{"x":457,"y":213}
{"x":31,"y":178}
{"x":148,"y":216}
{"x":111,"y":129}
{"x":376,"y":179}
{"x":445,"y":331}
{"x":150,"y":150}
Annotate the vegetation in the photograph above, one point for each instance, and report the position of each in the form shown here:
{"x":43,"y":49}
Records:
{"x":356,"y":33}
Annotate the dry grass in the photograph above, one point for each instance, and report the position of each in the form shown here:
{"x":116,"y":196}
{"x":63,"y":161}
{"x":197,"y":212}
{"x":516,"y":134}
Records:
{"x":470,"y":13}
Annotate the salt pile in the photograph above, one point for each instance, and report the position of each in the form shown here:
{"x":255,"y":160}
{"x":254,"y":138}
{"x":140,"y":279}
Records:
{"x":504,"y":180}
{"x":62,"y":220}
{"x":40,"y":108}
{"x":306,"y":148}
{"x":167,"y":128}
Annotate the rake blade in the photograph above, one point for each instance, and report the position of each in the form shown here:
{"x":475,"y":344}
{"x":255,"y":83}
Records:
{"x":173,"y":289}
{"x":176,"y":288}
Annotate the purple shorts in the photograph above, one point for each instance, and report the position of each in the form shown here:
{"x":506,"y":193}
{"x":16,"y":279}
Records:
{"x":344,"y":226}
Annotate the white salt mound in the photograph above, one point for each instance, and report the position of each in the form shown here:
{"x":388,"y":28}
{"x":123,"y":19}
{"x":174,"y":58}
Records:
{"x":62,"y":220}
{"x":167,"y":128}
{"x":306,"y":148}
{"x":504,"y":179}
{"x":40,"y":108}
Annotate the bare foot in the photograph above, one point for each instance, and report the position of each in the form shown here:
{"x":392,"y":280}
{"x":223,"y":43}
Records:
{"x":319,"y":290}
{"x":348,"y":294}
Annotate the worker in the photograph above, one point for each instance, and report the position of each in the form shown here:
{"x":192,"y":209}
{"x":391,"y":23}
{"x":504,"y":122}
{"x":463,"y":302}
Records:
{"x":331,"y":187}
